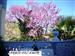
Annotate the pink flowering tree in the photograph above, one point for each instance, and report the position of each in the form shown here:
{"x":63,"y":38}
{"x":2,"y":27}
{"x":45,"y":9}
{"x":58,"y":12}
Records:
{"x":34,"y":18}
{"x":45,"y":15}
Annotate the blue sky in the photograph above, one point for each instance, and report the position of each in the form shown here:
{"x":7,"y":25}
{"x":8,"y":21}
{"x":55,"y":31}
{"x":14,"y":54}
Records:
{"x":67,"y":6}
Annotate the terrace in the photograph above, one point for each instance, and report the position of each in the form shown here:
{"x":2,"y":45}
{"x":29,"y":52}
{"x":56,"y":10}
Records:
{"x":54,"y":46}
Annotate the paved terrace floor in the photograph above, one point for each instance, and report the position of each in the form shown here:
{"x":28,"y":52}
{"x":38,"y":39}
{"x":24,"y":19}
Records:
{"x":64,"y":48}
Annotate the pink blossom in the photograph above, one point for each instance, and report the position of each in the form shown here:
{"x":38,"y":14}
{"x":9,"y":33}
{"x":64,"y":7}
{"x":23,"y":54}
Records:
{"x":44,"y":15}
